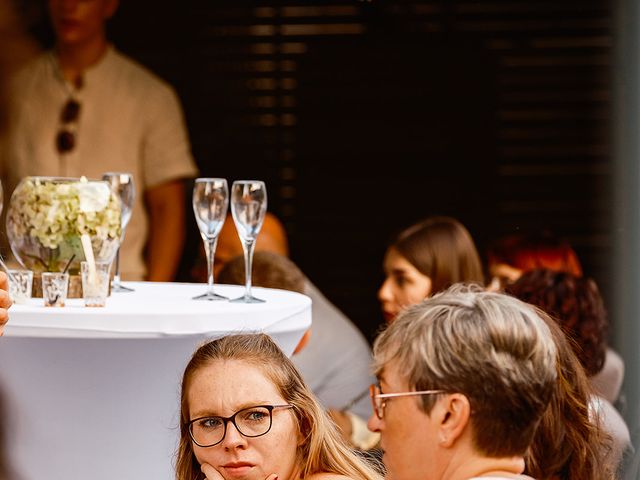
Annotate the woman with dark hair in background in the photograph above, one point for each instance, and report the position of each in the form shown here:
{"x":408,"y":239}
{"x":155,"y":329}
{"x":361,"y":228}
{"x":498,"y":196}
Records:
{"x":511,"y":256}
{"x":422,"y":260}
{"x":427,"y":258}
{"x":575,"y":303}
{"x":569,"y":442}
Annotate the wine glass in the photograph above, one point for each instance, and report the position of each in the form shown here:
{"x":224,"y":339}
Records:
{"x":248,"y":208}
{"x":122,"y":184}
{"x":210,"y":203}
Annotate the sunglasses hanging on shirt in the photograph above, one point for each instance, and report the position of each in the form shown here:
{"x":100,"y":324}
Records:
{"x":69,"y":116}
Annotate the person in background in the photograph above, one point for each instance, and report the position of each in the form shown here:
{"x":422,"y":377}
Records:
{"x":247,"y":413}
{"x":84,"y":108}
{"x":510,"y":256}
{"x":272,"y":238}
{"x":18,"y":49}
{"x":333,"y":357}
{"x":464,"y":378}
{"x":569,"y":442}
{"x":424,"y":259}
{"x":575,"y":303}
{"x":270,"y":270}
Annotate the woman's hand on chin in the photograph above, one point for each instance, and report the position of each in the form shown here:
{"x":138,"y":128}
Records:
{"x":212,"y":474}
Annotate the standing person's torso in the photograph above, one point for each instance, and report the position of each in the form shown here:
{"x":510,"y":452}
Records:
{"x":119,"y":102}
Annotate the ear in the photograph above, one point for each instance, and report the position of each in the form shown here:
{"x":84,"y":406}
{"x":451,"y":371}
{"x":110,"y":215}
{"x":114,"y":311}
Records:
{"x":454,"y":418}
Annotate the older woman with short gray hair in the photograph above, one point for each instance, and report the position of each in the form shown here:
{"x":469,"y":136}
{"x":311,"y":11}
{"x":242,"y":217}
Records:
{"x":464,"y":378}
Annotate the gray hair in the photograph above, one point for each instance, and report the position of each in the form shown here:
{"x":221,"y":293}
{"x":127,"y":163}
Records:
{"x":491,"y":347}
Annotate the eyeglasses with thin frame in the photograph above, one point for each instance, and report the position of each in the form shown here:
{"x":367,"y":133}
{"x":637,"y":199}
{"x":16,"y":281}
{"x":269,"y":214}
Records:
{"x":250,"y":422}
{"x":379,"y":400}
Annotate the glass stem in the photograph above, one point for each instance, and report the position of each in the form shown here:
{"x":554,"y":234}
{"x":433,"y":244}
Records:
{"x":248,"y":264}
{"x":210,"y":248}
{"x":116,"y":276}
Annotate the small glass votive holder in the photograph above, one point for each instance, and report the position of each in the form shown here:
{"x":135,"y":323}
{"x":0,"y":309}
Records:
{"x":54,"y":288}
{"x":95,"y":288}
{"x":20,"y":285}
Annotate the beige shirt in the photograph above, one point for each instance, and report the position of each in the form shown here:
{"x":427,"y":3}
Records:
{"x":130,"y":121}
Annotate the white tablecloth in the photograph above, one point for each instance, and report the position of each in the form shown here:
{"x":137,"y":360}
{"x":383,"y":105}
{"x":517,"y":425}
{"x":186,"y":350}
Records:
{"x":94,"y":392}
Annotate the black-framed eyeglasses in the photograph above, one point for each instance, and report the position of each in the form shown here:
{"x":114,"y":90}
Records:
{"x":66,"y":137}
{"x":250,"y":422}
{"x":379,"y":400}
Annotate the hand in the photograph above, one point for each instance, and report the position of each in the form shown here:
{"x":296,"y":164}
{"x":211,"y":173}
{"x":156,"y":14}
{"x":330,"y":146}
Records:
{"x":212,"y":474}
{"x":5,"y":301}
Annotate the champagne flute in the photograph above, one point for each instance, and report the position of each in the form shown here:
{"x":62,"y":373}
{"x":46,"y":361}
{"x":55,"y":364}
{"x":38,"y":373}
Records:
{"x":248,"y":208}
{"x":210,"y":203}
{"x":122,"y":184}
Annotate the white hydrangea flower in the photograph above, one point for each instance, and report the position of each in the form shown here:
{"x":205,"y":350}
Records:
{"x":57,"y":213}
{"x":93,"y":196}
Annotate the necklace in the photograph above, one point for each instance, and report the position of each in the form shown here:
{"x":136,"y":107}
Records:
{"x":71,"y":87}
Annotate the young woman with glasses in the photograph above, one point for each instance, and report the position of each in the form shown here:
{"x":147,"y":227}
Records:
{"x":247,"y":414}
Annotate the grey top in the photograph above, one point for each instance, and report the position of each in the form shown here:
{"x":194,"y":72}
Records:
{"x":608,"y":381}
{"x":336,"y":361}
{"x":612,"y":422}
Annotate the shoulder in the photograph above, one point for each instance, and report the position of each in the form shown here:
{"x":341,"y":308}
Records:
{"x":32,"y":72}
{"x":608,"y":381}
{"x":138,"y":75}
{"x":610,"y":420}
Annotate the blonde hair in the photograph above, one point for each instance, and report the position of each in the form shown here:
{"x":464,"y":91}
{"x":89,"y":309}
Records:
{"x":493,"y":348}
{"x":322,"y":448}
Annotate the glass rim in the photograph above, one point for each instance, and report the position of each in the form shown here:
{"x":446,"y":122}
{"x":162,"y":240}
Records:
{"x":209,"y":179}
{"x":118,"y":173}
{"x":243,"y":182}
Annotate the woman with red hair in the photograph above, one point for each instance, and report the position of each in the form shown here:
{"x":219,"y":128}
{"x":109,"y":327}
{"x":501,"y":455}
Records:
{"x":509,"y":257}
{"x":512,"y":255}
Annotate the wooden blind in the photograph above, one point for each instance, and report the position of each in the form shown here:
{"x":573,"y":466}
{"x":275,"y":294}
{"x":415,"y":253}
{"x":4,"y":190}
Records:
{"x":363,"y":116}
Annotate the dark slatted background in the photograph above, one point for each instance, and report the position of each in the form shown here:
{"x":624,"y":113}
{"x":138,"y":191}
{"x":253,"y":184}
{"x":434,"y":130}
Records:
{"x":365,"y":116}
